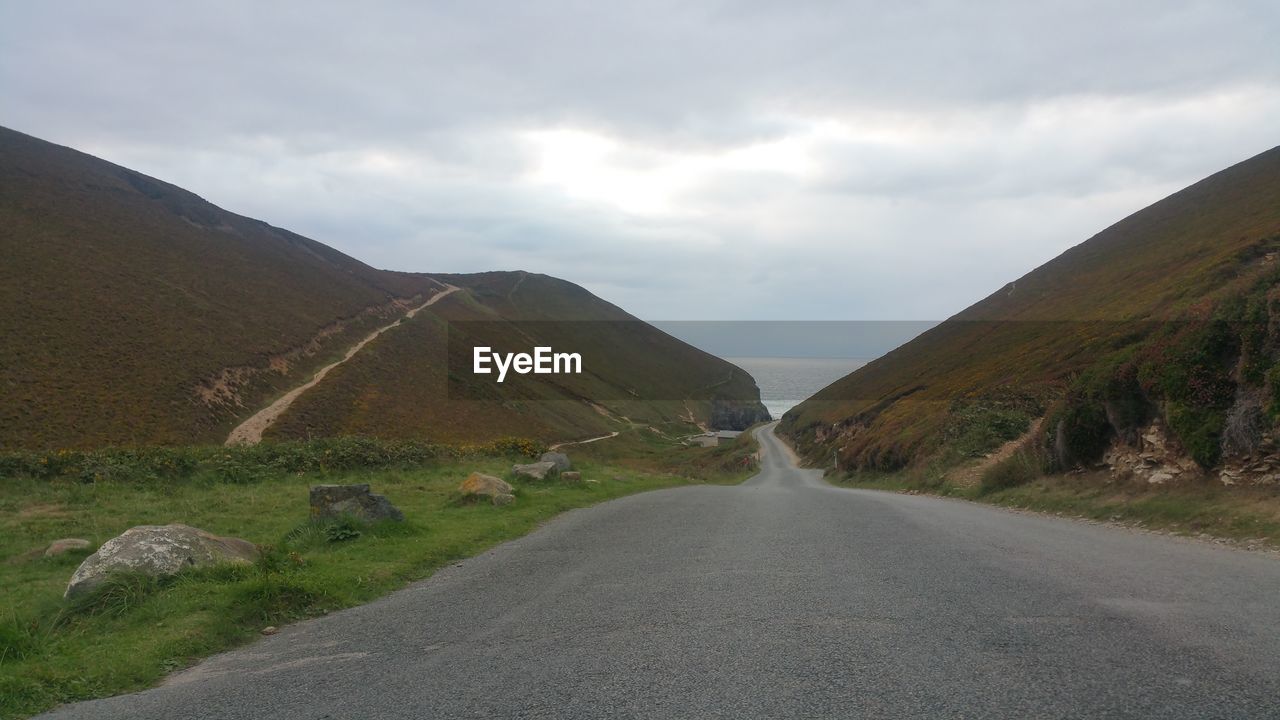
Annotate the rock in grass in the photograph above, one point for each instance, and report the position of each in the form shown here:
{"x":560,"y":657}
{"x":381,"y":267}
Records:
{"x":560,"y":459}
{"x":571,"y":477}
{"x":65,"y":545}
{"x":485,"y":486}
{"x":503,"y":499}
{"x":535,"y":471}
{"x":335,"y":501}
{"x":158,"y":551}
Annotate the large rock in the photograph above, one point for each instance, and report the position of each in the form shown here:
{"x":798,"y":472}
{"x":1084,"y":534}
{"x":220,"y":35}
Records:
{"x":497,"y":490}
{"x":335,"y":501}
{"x":158,"y":551}
{"x":560,"y":459}
{"x":535,"y":471}
{"x":66,"y":545}
{"x":728,"y":414}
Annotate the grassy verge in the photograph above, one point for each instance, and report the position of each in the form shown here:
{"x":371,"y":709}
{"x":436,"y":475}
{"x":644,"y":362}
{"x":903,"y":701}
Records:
{"x":1241,"y":514}
{"x":130,"y":635}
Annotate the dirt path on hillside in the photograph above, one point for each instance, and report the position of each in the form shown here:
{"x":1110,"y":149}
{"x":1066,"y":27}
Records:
{"x":972,"y":474}
{"x":250,"y":431}
{"x":557,"y":446}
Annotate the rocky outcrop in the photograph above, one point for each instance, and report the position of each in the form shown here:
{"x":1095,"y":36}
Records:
{"x":535,"y":471}
{"x":158,"y":551}
{"x":729,"y":414}
{"x":334,"y":501}
{"x":560,"y":459}
{"x":1156,"y":459}
{"x":497,"y":490}
{"x":1260,"y":467}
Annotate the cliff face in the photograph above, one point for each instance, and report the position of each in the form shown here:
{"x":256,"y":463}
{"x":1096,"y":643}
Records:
{"x":727,"y":414}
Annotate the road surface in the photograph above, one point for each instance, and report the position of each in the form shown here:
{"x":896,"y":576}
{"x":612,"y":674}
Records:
{"x":782,"y":597}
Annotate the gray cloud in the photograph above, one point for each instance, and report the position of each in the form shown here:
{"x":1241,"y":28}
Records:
{"x":687,"y":160}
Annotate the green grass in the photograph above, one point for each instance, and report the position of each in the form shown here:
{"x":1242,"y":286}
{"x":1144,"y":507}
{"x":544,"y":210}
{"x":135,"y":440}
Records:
{"x":137,"y":630}
{"x":1187,"y":509}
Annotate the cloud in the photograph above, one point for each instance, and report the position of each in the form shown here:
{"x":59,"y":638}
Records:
{"x":690,"y":160}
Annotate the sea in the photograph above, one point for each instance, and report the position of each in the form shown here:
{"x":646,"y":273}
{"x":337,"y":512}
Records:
{"x":785,"y":382}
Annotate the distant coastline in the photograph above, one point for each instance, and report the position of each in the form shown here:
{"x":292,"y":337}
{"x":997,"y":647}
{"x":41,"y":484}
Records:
{"x":786,"y":382}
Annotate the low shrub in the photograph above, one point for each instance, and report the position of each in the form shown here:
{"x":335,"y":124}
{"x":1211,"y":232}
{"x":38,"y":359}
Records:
{"x":342,"y":530}
{"x":248,"y":463}
{"x":977,"y":429}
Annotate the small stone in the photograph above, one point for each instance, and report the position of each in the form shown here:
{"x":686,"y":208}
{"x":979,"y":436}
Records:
{"x":1158,"y":478}
{"x":571,"y":477}
{"x":66,"y":545}
{"x":503,"y":499}
{"x":270,"y":630}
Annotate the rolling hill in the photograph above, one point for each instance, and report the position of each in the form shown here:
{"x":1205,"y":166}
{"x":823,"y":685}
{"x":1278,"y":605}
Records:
{"x":137,"y":313}
{"x":1169,"y":317}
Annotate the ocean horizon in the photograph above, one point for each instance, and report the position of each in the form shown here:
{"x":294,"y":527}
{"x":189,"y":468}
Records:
{"x":786,"y":382}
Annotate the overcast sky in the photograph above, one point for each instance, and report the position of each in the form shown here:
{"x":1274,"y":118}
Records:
{"x":686,"y":160}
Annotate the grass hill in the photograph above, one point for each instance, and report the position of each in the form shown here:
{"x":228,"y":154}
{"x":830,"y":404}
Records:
{"x":1169,"y":314}
{"x":137,"y":313}
{"x":633,"y":373}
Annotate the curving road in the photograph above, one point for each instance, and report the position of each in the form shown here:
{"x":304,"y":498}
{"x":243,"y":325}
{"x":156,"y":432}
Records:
{"x":782,"y":597}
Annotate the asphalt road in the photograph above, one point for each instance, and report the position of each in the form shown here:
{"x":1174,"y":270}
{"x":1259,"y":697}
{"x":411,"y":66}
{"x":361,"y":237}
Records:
{"x":782,"y":597}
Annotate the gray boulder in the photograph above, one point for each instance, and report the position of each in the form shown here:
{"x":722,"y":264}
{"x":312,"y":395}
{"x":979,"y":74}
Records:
{"x":65,"y":545}
{"x":535,"y":471}
{"x":560,"y":459}
{"x":158,"y":551}
{"x":334,"y":501}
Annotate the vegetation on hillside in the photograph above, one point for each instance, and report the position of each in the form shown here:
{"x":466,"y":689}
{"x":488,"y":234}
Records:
{"x":138,"y":314}
{"x":417,"y":381}
{"x":125,"y":295}
{"x":1211,"y":378}
{"x":1168,"y":312}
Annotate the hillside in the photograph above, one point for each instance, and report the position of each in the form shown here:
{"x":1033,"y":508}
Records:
{"x":137,"y":313}
{"x":418,"y":381}
{"x":1168,"y":316}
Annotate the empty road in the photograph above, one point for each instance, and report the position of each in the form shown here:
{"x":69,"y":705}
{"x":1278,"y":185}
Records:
{"x":782,"y":597}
